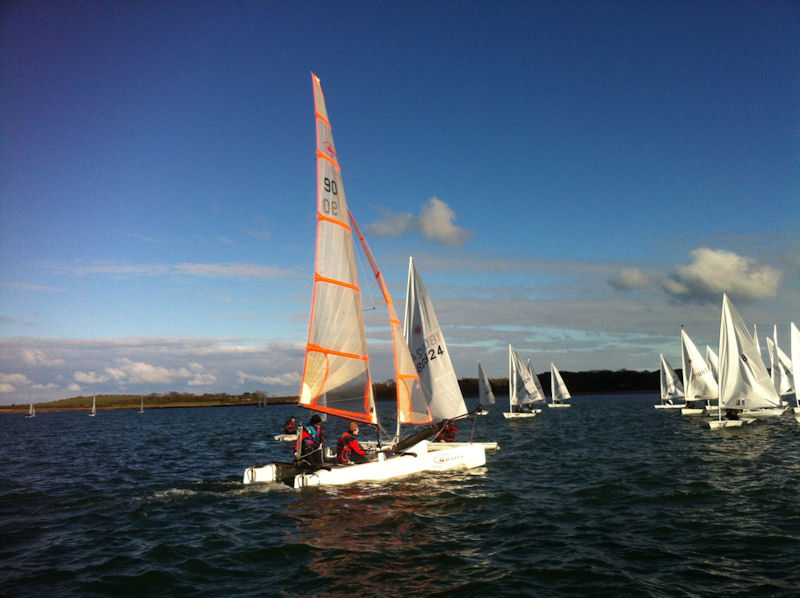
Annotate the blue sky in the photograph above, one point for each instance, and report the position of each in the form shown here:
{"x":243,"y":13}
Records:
{"x":576,"y":178}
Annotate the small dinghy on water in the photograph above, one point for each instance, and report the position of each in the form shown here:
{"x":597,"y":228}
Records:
{"x":336,"y":373}
{"x":432,"y":360}
{"x":485,"y":393}
{"x":671,"y":387}
{"x":699,"y":384}
{"x":744,"y":384}
{"x":31,"y":411}
{"x":558,"y":389}
{"x":795,"y":351}
{"x":141,"y":405}
{"x":523,"y":393}
{"x":93,"y":411}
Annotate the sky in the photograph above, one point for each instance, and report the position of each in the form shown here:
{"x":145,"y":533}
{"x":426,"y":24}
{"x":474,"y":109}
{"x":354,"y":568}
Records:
{"x":578,"y":179}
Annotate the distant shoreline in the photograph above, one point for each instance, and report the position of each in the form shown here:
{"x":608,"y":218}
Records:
{"x":579,"y":383}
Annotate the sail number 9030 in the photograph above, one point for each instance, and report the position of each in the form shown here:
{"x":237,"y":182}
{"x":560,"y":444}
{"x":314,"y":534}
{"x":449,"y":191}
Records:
{"x":330,"y":206}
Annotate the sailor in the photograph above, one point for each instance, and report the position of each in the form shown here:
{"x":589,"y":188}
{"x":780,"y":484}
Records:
{"x":290,"y":427}
{"x":348,"y":450}
{"x":447,"y":433}
{"x":312,"y":441}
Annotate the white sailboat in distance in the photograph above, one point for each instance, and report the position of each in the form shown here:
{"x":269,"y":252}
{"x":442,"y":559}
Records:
{"x":671,"y":387}
{"x":336,"y":373}
{"x":523,"y":393}
{"x":93,"y":411}
{"x":485,"y":392}
{"x":558,"y":389}
{"x":744,"y":384}
{"x":700,"y":387}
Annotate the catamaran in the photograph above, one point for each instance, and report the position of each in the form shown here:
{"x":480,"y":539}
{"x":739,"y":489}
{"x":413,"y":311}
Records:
{"x":485,"y":393}
{"x":699,"y":385}
{"x":558,"y":389}
{"x":93,"y":412}
{"x":336,"y":374}
{"x":671,"y":387}
{"x":744,"y":384}
{"x":523,"y":393}
{"x":431,"y":358}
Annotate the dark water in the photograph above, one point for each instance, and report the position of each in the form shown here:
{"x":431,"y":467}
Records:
{"x":608,"y":498}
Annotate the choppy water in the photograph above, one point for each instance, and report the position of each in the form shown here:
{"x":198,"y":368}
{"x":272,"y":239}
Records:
{"x":609,"y":498}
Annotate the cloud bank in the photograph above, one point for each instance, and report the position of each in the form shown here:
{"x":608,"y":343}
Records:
{"x":436,"y":222}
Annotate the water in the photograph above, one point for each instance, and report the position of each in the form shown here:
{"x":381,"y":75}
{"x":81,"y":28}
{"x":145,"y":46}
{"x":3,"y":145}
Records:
{"x":610,"y":497}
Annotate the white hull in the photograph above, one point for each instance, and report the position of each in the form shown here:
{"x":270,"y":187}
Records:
{"x":484,"y":412}
{"x":663,"y":406}
{"x":437,"y":446}
{"x":765,"y":412}
{"x":416,"y":460}
{"x":526,"y":414}
{"x":558,"y":405}
{"x":286,"y":437}
{"x":715,"y":424}
{"x":692,"y":411}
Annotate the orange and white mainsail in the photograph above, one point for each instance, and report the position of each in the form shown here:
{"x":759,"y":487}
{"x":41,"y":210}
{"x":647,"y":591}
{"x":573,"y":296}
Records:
{"x":336,"y":374}
{"x":412,"y":407}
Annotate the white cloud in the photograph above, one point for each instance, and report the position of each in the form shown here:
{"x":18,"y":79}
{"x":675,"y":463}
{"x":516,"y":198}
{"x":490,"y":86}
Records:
{"x":89,"y":377}
{"x":630,"y":279}
{"x":436,"y":222}
{"x":10,"y":382}
{"x":187,"y":269}
{"x":710,"y":272}
{"x":287,"y":379}
{"x":38,"y":357}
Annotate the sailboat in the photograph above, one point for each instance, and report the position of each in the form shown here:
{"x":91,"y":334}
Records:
{"x":780,"y":366}
{"x":431,"y":358}
{"x":141,"y":405}
{"x":93,"y":410}
{"x":31,"y":410}
{"x":522,"y":391}
{"x":671,"y":387}
{"x":485,"y":393}
{"x":795,"y":351}
{"x":744,"y":384}
{"x":699,"y":384}
{"x":558,"y":389}
{"x":336,"y":373}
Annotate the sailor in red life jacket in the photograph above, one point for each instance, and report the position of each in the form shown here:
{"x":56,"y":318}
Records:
{"x":290,"y":427}
{"x":446,"y":434}
{"x":312,"y":441}
{"x":348,"y":450}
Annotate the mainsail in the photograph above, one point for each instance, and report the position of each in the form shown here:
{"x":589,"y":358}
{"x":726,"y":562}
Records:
{"x":794,"y":349}
{"x":557,"y":386}
{"x":713,"y":362}
{"x":780,"y":365}
{"x":671,"y":387}
{"x":336,"y":374}
{"x":743,"y":379}
{"x":698,"y":381}
{"x":521,"y":387}
{"x":429,"y":351}
{"x":485,"y":394}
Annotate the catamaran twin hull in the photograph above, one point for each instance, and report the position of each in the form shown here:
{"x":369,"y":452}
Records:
{"x":416,"y":460}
